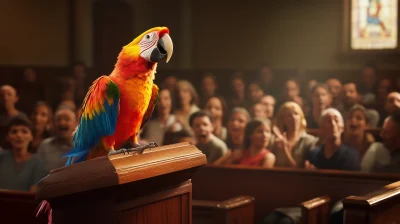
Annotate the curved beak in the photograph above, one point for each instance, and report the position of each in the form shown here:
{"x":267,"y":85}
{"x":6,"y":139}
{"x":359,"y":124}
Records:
{"x":164,"y":49}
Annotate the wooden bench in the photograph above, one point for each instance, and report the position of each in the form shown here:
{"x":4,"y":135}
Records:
{"x":19,"y":207}
{"x":237,"y":210}
{"x":316,"y":210}
{"x":280,"y":187}
{"x":380,"y":206}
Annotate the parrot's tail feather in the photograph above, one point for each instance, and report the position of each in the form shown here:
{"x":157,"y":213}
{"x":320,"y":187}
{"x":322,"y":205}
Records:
{"x":45,"y":207}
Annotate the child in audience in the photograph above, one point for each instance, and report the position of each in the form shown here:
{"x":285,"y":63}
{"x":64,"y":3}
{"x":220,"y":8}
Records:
{"x":19,"y":169}
{"x":213,"y":147}
{"x":216,"y":107}
{"x":42,"y":120}
{"x":256,"y":138}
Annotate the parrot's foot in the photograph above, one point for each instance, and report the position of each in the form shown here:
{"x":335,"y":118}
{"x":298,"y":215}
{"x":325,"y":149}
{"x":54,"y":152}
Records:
{"x":136,"y":148}
{"x":140,"y":148}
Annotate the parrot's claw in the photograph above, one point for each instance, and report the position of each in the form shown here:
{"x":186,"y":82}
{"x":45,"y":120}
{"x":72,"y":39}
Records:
{"x":141,"y":148}
{"x":137,"y":148}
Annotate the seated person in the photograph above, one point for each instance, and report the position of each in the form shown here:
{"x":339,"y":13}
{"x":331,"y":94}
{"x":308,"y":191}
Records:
{"x":292,"y":143}
{"x":390,"y":137}
{"x":51,"y":149}
{"x":213,"y":147}
{"x":333,"y":154}
{"x":355,"y":134}
{"x":216,"y":107}
{"x":19,"y":169}
{"x":163,"y":120}
{"x":269,"y":102}
{"x":42,"y":120}
{"x":257,"y":135}
{"x":321,"y":99}
{"x":8,"y":101}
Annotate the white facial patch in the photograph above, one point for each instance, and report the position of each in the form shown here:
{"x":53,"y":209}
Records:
{"x":147,"y":44}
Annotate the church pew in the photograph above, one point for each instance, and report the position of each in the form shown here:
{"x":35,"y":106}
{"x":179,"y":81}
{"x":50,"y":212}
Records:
{"x":316,"y":210}
{"x":19,"y":207}
{"x":281,"y":187}
{"x":237,"y":210}
{"x":380,"y":206}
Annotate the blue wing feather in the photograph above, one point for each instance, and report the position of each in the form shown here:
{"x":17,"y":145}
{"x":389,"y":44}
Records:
{"x":103,"y":122}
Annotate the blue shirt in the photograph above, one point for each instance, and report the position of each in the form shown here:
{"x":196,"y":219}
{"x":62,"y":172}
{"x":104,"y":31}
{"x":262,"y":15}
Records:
{"x":345,"y":158}
{"x":20,"y":176}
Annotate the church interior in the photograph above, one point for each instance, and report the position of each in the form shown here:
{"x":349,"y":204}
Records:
{"x":306,"y":129}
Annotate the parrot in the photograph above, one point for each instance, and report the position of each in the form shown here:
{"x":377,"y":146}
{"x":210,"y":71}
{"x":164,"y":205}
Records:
{"x":117,"y":106}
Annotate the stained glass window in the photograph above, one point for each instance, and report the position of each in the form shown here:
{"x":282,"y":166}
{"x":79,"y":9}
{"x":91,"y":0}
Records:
{"x":373,"y":24}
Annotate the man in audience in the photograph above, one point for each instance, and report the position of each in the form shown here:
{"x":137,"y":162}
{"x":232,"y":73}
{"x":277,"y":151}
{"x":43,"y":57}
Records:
{"x":335,"y":87}
{"x":392,"y":103}
{"x":8,"y":101}
{"x":390,"y":137}
{"x":209,"y":144}
{"x":332,"y":154}
{"x":269,"y":102}
{"x":51,"y":149}
{"x":351,"y":97}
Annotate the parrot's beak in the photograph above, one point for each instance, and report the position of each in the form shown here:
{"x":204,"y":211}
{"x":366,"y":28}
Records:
{"x":164,"y":49}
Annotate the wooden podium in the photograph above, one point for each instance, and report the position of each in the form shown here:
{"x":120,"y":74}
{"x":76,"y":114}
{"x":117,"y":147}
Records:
{"x":154,"y":187}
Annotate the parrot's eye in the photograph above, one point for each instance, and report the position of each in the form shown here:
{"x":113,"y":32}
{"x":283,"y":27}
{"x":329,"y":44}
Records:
{"x":147,"y":36}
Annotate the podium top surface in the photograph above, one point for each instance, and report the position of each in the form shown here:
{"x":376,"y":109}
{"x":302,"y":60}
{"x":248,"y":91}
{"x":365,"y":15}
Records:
{"x":120,"y":169}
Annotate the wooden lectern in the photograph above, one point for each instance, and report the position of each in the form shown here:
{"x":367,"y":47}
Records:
{"x":154,"y":187}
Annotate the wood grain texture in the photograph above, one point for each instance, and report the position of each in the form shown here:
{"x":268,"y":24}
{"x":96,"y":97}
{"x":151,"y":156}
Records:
{"x":279,"y":187}
{"x":120,"y":169}
{"x":380,"y":206}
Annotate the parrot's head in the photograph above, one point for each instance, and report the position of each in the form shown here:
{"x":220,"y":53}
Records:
{"x":145,"y":51}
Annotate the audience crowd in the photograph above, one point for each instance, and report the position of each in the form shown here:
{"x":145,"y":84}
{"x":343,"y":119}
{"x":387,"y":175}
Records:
{"x":303,"y":125}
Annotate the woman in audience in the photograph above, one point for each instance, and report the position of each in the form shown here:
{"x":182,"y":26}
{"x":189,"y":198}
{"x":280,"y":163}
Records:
{"x":186,"y":102}
{"x":292,"y":143}
{"x":321,"y":99}
{"x":19,"y":169}
{"x":155,"y":129}
{"x":216,"y":106}
{"x":41,"y":118}
{"x":257,"y":135}
{"x":237,"y":122}
{"x":355,"y":134}
{"x":238,"y":87}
